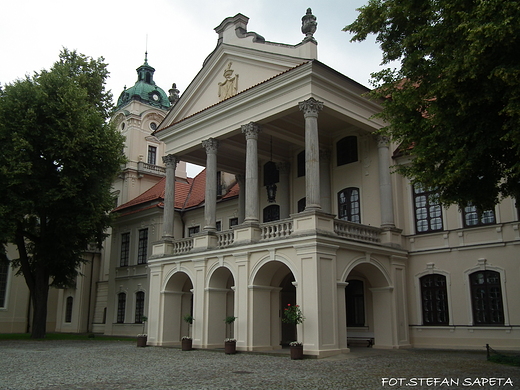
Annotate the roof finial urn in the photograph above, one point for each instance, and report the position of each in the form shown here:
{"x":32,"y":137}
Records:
{"x":309,"y":25}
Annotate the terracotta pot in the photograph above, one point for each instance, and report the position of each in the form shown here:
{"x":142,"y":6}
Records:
{"x":296,"y":352}
{"x":230,"y":347}
{"x":187,"y":344}
{"x":141,"y":341}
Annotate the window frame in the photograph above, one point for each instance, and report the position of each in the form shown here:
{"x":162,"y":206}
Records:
{"x":125,"y":250}
{"x":142,"y":246}
{"x":438,"y":306}
{"x":152,"y":155}
{"x":481,"y":216}
{"x":139,"y":306}
{"x":351,"y":214}
{"x":193,"y":230}
{"x":271,"y":210}
{"x":488,"y":312}
{"x":418,"y":192}
{"x":121,"y":308}
{"x":68,"y":309}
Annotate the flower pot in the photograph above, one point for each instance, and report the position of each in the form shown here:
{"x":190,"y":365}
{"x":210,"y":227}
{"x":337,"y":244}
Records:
{"x":141,"y":341}
{"x":296,"y":352}
{"x":230,"y":347}
{"x":187,"y":344}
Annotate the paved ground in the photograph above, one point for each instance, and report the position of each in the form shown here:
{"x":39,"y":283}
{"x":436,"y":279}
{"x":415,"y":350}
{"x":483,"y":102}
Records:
{"x":94,"y":364}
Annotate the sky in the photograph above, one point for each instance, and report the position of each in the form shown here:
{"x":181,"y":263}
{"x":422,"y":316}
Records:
{"x":178,"y":35}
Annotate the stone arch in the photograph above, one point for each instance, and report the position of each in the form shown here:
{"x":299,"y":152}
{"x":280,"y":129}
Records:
{"x":272,"y":283}
{"x":379,"y":303}
{"x":220,"y":298}
{"x":177,"y":301}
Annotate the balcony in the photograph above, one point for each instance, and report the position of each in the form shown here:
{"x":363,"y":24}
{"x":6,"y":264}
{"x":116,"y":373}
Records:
{"x":285,"y":229}
{"x":150,"y":169}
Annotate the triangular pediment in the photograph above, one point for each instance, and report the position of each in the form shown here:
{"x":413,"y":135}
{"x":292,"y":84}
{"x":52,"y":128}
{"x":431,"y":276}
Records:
{"x":240,"y":61}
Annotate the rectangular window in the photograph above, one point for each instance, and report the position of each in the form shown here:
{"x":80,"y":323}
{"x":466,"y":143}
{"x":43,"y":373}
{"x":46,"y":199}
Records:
{"x":473,"y":217}
{"x":139,"y":307}
{"x":68,"y":309}
{"x":349,"y":208}
{"x":346,"y":150}
{"x":142,"y":247}
{"x":125,"y":249}
{"x":428,"y":212}
{"x":434,"y":296}
{"x":219,"y":226}
{"x":233,"y":222}
{"x":193,"y":230}
{"x":121,"y":304}
{"x":152,"y":155}
{"x":4,"y":272}
{"x":486,"y":298}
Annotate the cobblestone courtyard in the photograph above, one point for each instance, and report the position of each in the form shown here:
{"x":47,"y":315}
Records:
{"x":94,"y":364}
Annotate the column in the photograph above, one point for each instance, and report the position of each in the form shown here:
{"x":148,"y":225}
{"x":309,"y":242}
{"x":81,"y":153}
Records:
{"x":169,"y":195}
{"x":326,"y":204}
{"x":210,"y":204}
{"x":385,"y":183}
{"x":311,"y":107}
{"x":284,"y":169}
{"x":251,"y":131}
{"x":241,"y":197}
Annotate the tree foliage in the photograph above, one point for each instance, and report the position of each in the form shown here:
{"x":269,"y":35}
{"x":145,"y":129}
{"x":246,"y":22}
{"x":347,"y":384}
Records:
{"x":455,"y":95}
{"x":58,"y":158}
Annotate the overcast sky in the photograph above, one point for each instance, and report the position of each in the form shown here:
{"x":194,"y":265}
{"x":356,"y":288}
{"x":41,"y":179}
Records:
{"x":180,"y":35}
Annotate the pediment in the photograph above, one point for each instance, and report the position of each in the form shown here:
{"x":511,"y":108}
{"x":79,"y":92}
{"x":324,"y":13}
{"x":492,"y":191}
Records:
{"x":227,"y":72}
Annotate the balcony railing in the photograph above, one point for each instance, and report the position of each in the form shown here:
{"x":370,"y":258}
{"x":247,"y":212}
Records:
{"x":152,"y":169}
{"x":357,"y":231}
{"x":283,"y":229}
{"x":277,"y":229}
{"x":225,"y":238}
{"x":184,"y":245}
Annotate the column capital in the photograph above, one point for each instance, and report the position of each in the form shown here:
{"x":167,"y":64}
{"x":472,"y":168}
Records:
{"x":170,"y":160}
{"x":251,"y":130}
{"x":211,"y":145}
{"x":383,"y":141}
{"x":310,"y":107}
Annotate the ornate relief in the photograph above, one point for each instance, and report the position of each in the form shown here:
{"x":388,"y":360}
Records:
{"x":229,"y":87}
{"x":211,"y":145}
{"x":251,"y":130}
{"x":310,"y":107}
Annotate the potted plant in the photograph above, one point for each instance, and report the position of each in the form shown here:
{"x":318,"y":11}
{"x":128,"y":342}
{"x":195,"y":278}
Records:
{"x":142,"y":338}
{"x":230,"y":344}
{"x":187,"y":341}
{"x":293,"y":315}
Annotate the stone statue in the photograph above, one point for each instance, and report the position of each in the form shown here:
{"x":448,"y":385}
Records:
{"x":309,"y":25}
{"x":174,"y":94}
{"x":229,"y":87}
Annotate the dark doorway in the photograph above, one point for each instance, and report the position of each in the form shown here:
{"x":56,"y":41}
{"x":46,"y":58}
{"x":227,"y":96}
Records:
{"x":288,"y":297}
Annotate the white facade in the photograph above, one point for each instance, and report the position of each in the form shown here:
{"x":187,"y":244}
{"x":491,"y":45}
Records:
{"x":356,"y":226}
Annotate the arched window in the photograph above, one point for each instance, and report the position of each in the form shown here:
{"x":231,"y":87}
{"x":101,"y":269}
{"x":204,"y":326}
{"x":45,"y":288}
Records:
{"x":346,"y":150}
{"x":272,"y":213}
{"x":486,"y":298}
{"x":121,"y":305}
{"x":434,"y":299}
{"x":348,"y":205}
{"x":355,"y":302}
{"x":139,"y":307}
{"x":68,"y":309}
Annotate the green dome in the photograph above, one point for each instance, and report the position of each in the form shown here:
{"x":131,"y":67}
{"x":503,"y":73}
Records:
{"x":144,"y":90}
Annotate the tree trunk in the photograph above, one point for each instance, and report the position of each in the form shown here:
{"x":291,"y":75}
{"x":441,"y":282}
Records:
{"x":40,"y":296}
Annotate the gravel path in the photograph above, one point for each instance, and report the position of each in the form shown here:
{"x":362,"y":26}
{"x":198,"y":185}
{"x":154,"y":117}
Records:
{"x":94,"y":364}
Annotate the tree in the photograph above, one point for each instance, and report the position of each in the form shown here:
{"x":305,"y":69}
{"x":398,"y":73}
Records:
{"x":58,"y":158}
{"x":454,"y":102}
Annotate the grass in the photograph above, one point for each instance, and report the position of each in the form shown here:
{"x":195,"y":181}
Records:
{"x":503,"y":359}
{"x":64,"y":336}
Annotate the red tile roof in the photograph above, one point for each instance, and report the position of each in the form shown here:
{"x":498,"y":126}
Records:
{"x":188,"y":194}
